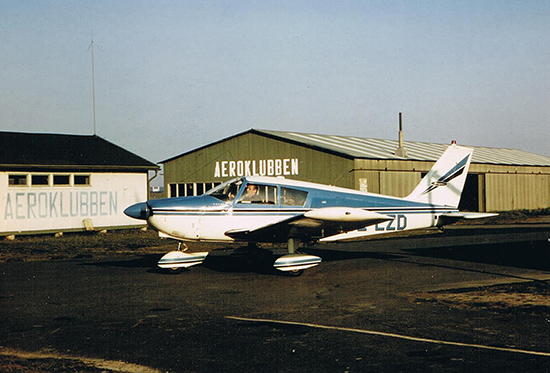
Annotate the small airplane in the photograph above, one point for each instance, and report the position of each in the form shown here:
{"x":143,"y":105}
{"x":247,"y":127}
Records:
{"x":257,"y":209}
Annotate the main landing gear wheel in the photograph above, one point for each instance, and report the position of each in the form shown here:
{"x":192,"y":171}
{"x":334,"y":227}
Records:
{"x":294,"y":273}
{"x":176,"y":270}
{"x":176,"y":261}
{"x":293,"y":264}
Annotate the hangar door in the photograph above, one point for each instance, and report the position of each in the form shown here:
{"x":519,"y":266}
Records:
{"x":470,"y":195}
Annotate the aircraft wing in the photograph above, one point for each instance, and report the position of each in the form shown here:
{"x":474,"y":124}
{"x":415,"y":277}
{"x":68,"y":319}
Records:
{"x":322,"y":222}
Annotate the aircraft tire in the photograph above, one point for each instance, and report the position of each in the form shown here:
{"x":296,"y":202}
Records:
{"x":296,"y":273}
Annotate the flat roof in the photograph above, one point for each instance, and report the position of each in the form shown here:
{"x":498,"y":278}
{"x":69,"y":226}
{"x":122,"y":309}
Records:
{"x":38,"y":150}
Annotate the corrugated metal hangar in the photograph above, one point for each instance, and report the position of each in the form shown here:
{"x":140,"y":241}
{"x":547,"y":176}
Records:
{"x":56,"y":183}
{"x":498,"y":180}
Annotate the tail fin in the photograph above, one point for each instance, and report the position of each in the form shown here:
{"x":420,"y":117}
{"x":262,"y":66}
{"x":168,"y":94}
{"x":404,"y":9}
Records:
{"x":444,"y":183}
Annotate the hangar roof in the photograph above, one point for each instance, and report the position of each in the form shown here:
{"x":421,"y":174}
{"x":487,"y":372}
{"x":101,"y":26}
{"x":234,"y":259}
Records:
{"x":36,"y":150}
{"x":360,"y":147}
{"x":368,"y":148}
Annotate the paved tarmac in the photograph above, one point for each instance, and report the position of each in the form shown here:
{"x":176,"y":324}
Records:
{"x":394,"y":305}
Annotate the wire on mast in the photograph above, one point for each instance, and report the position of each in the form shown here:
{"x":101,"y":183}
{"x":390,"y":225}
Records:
{"x":93,"y":81}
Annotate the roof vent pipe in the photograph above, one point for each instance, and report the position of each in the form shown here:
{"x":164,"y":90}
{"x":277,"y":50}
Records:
{"x":400,"y":151}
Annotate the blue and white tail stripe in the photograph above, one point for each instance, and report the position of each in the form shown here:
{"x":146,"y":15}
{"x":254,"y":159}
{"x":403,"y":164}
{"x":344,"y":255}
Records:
{"x":445,"y":179}
{"x":443,"y":184}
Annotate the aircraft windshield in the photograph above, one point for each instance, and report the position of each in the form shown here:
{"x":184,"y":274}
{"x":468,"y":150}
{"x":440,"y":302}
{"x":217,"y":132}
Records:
{"x":226,"y":191}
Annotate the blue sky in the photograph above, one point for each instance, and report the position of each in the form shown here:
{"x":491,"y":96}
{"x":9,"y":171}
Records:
{"x":174,"y":75}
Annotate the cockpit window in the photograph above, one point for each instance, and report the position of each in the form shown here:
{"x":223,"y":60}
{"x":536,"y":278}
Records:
{"x":226,"y":191}
{"x":259,"y":193}
{"x":293,"y":197}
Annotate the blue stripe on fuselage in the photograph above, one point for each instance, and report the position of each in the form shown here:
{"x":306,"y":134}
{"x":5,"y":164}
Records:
{"x":317,"y":198}
{"x":321,"y":199}
{"x":277,"y":212}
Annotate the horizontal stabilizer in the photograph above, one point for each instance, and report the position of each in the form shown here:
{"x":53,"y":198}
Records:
{"x":470,"y":215}
{"x":453,"y":217}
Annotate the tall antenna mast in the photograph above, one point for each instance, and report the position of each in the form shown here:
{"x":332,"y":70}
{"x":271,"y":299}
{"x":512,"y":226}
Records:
{"x":93,"y":81}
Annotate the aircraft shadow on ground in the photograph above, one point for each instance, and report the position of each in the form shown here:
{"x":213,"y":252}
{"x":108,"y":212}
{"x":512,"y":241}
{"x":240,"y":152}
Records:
{"x":243,"y":259}
{"x":530,"y":254}
{"x":143,"y":261}
{"x":221,"y":260}
{"x":329,"y":255}
{"x":247,"y":259}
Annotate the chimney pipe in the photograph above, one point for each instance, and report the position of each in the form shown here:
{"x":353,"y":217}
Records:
{"x":400,"y":151}
{"x":400,"y":131}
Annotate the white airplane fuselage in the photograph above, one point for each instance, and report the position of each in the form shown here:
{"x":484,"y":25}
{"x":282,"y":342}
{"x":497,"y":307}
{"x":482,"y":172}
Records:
{"x":212,"y":227}
{"x":204,"y":218}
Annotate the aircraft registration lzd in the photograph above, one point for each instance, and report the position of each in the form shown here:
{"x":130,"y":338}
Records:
{"x":258,"y":209}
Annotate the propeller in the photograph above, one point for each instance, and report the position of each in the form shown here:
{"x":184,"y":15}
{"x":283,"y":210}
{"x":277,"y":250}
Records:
{"x":140,"y":211}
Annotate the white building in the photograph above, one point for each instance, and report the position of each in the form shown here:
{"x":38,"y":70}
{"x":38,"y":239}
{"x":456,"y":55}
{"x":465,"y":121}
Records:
{"x":56,"y":183}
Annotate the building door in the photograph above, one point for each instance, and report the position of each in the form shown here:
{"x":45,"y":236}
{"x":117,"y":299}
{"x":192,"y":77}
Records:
{"x":470,"y":195}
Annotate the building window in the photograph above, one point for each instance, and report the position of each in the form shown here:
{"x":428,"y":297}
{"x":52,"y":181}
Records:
{"x":200,"y":189}
{"x":62,"y":180}
{"x":190,"y":189}
{"x":17,"y":180}
{"x":173,"y":190}
{"x":39,"y":180}
{"x":181,"y":190}
{"x":81,"y":180}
